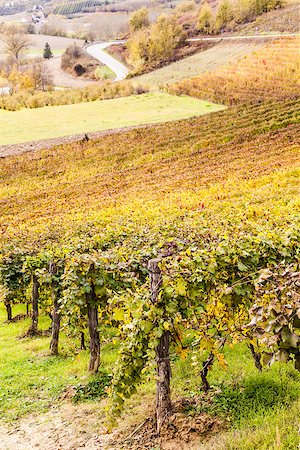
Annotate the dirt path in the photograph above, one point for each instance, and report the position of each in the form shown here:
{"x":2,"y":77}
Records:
{"x":18,"y":149}
{"x":64,"y":428}
{"x":62,"y":79}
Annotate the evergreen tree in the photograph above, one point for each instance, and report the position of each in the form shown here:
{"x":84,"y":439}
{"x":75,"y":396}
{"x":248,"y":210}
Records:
{"x":47,"y":52}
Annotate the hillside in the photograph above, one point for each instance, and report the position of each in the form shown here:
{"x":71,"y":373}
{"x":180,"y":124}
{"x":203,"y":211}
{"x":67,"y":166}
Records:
{"x":239,"y":164}
{"x":270,"y":72}
{"x":222,"y":53}
{"x":58,"y":121}
{"x":161,"y":263}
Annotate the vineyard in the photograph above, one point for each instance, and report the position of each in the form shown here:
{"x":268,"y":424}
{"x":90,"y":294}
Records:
{"x":75,"y":7}
{"x":208,"y":60}
{"x":154,"y":272}
{"x":271,"y":72}
{"x":207,"y":208}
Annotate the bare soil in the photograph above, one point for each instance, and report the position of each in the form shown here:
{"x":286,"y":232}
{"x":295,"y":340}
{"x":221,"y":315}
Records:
{"x":64,"y":428}
{"x":73,"y":427}
{"x":18,"y":149}
{"x":63,"y":79}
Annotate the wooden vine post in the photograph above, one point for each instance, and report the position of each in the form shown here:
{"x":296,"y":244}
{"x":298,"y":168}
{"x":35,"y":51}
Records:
{"x":55,"y":314}
{"x":33,"y":330}
{"x":7,"y":304}
{"x":163,"y":397}
{"x":92,"y":312}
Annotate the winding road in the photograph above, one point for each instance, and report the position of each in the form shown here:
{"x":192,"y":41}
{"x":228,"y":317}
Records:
{"x":97,"y":51}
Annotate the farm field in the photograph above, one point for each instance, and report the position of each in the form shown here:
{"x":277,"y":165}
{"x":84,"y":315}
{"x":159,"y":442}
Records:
{"x":57,"y":121}
{"x":58,"y":45}
{"x":191,"y":66}
{"x":151,"y":164}
{"x":237,"y":169}
{"x":150,"y":273}
{"x":270,"y":72}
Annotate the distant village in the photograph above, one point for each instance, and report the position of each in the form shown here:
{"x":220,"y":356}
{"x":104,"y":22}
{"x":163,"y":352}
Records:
{"x":37,"y":15}
{"x":13,"y":7}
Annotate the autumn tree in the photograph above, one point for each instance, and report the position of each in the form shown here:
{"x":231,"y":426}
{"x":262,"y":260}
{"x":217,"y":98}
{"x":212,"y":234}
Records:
{"x":139,"y":19}
{"x":15,"y":40}
{"x":157,"y":43}
{"x":206,"y":20}
{"x":166,"y":34}
{"x":224,"y":14}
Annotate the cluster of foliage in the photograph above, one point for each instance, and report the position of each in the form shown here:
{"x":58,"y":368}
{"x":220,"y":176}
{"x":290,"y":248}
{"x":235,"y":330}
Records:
{"x":77,"y":62}
{"x":25,"y":78}
{"x":202,"y":283}
{"x":36,"y":99}
{"x":271,"y":72}
{"x":149,"y":45}
{"x":229,"y":14}
{"x":74,"y":7}
{"x":15,"y":39}
{"x":276,"y":315}
{"x":139,"y":19}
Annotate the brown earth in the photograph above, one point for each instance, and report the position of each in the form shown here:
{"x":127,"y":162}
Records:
{"x":73,"y":427}
{"x":18,"y":149}
{"x":63,"y":79}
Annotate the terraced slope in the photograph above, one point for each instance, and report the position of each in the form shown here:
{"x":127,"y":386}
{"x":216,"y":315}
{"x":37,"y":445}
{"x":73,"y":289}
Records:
{"x":271,"y":72}
{"x":220,"y":54}
{"x":151,"y":164}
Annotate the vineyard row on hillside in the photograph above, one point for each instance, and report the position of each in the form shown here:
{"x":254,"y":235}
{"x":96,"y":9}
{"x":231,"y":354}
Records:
{"x":271,"y":72}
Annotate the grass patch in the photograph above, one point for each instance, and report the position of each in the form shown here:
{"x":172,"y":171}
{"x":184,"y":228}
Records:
{"x":57,"y":121}
{"x":260,"y":408}
{"x":94,"y":389}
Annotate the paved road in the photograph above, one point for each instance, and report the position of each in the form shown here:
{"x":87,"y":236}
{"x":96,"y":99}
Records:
{"x":97,"y":51}
{"x":121,"y":71}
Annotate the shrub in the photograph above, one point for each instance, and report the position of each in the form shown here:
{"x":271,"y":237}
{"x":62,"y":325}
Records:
{"x":224,"y":14}
{"x":206,"y":20}
{"x":37,"y":99}
{"x":139,"y":19}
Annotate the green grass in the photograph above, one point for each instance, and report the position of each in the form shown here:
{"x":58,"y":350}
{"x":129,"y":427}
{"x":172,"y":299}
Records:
{"x":57,"y":121}
{"x":31,"y":379}
{"x":38,"y":53}
{"x":260,"y":409}
{"x":105,"y":73}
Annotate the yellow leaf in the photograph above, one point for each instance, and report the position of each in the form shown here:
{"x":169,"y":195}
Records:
{"x":118,"y":314}
{"x":221,"y":360}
